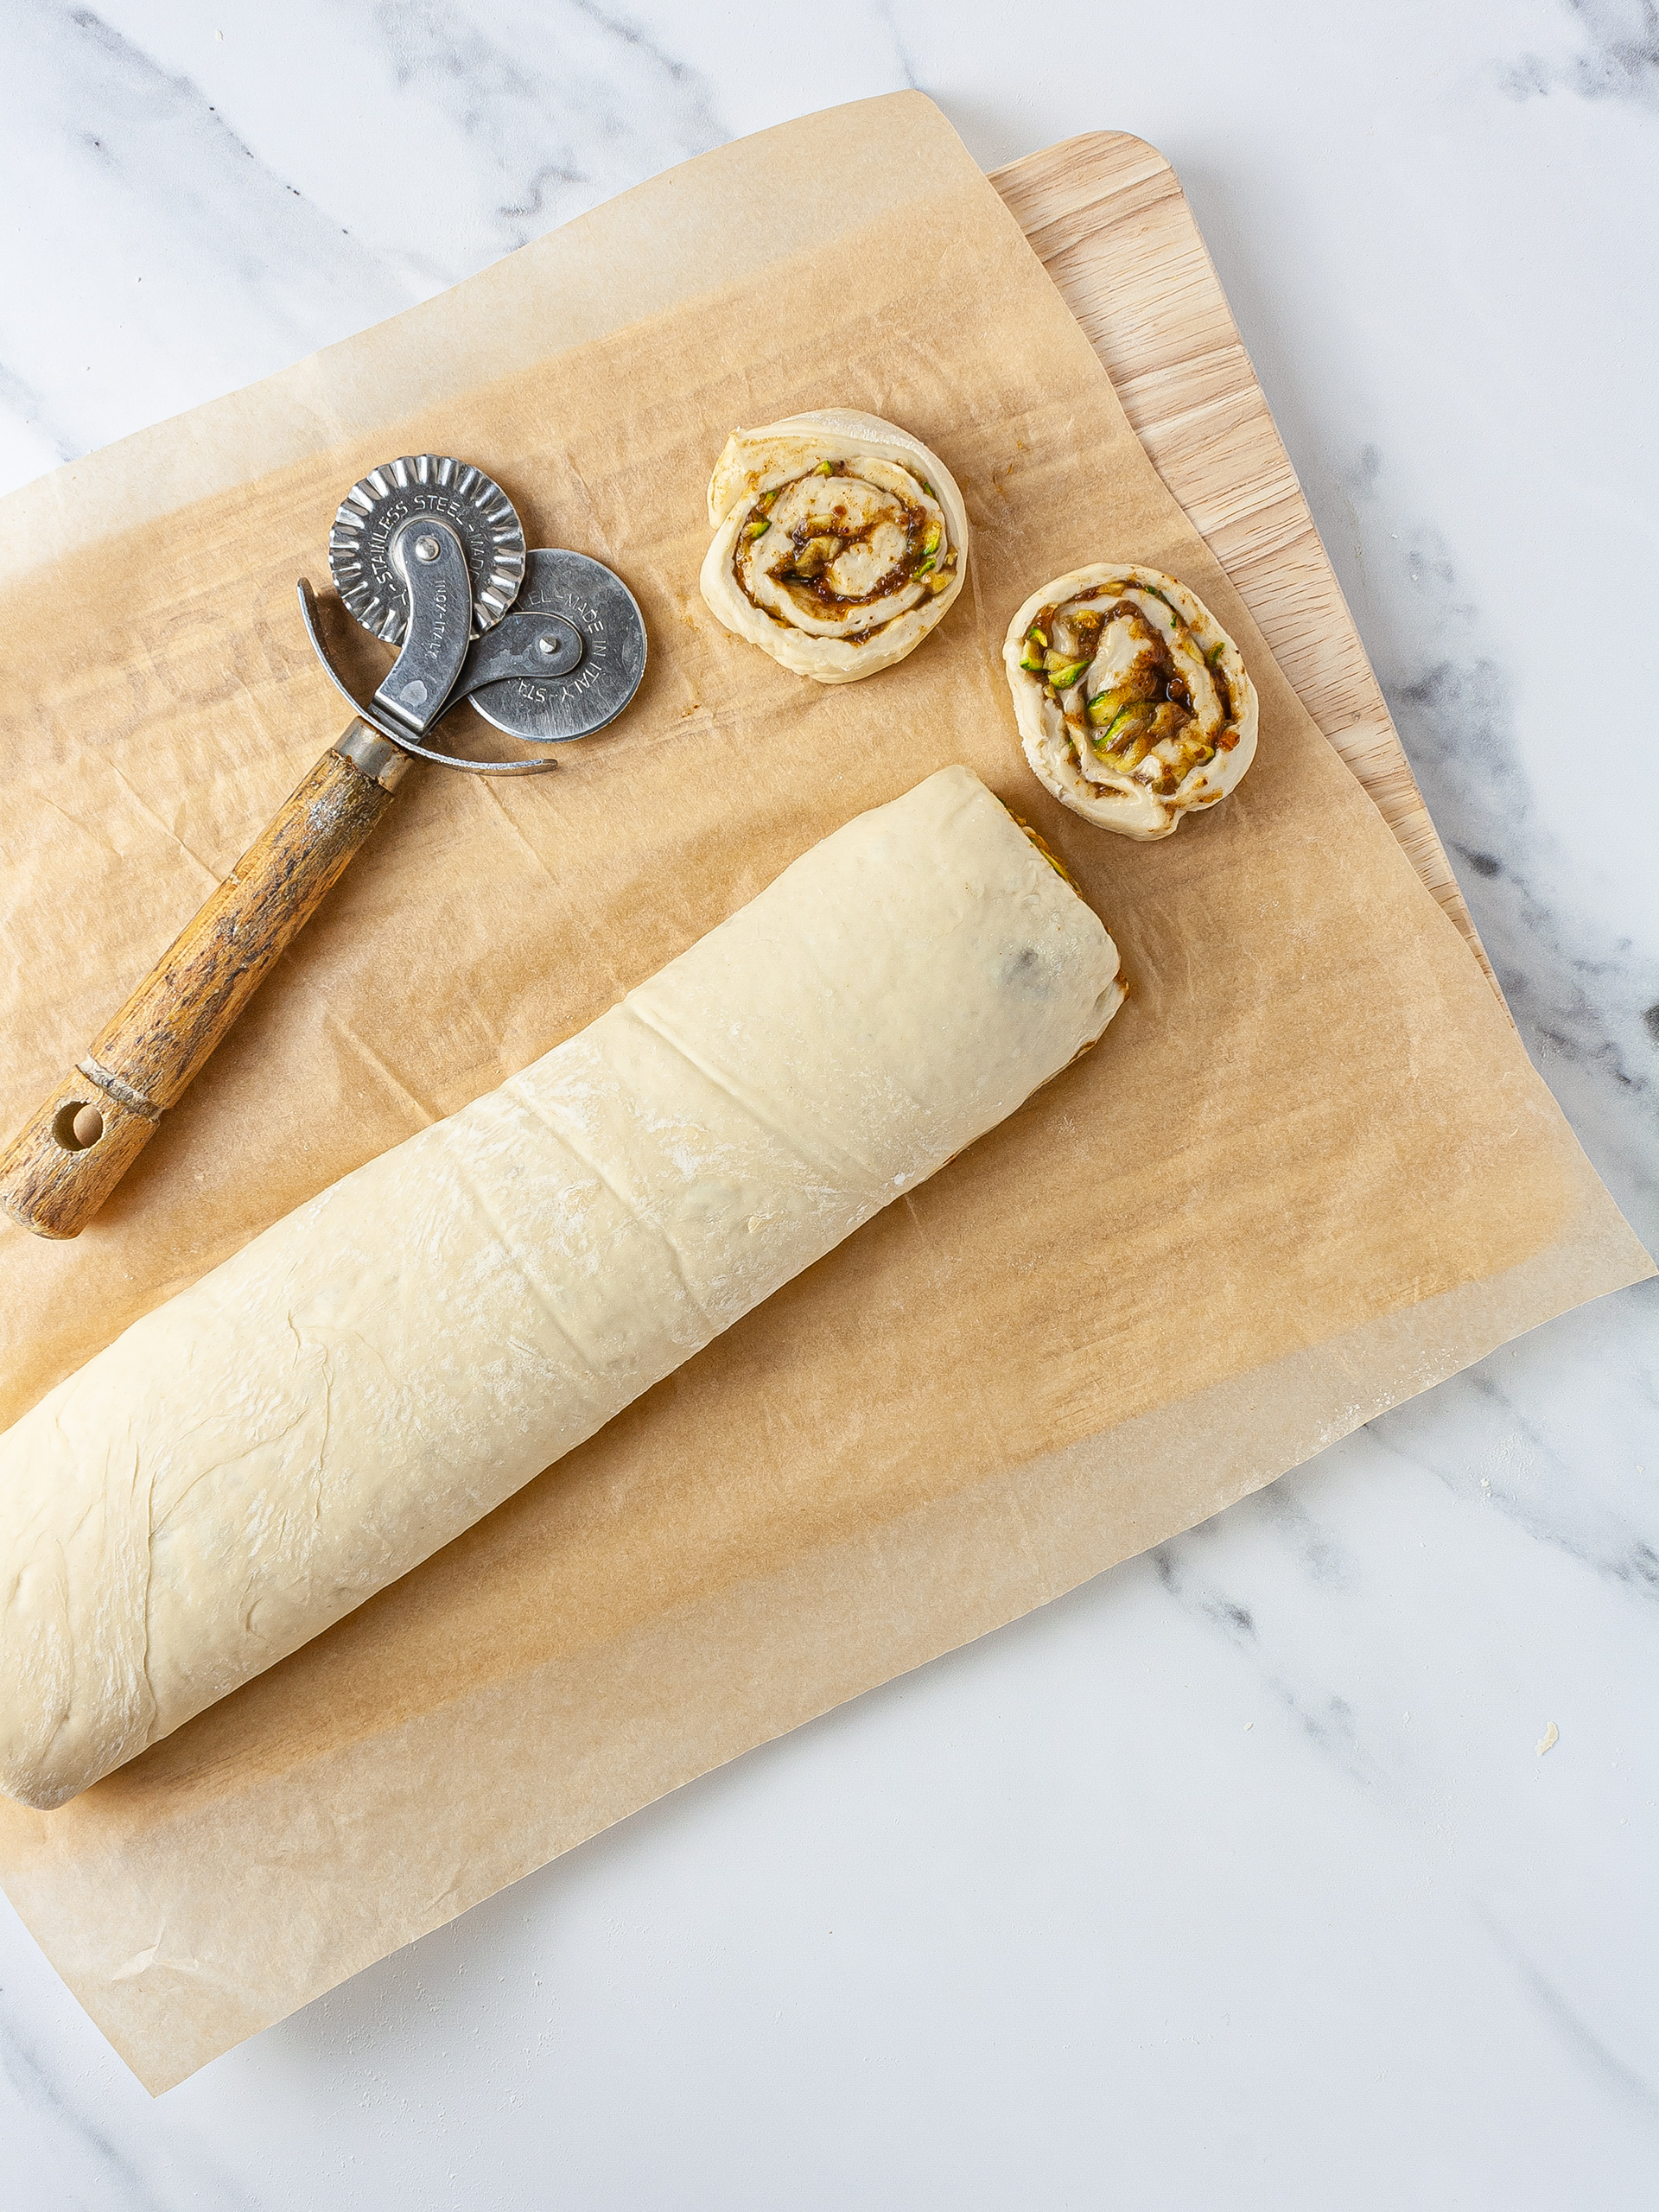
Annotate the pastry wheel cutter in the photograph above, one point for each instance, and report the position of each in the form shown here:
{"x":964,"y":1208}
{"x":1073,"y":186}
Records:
{"x":428,"y":554}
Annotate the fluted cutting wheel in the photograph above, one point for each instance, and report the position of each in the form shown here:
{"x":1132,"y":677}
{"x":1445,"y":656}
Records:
{"x":372,"y":513}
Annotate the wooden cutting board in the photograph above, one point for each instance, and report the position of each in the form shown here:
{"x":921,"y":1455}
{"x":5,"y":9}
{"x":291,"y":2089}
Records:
{"x":1111,"y":225}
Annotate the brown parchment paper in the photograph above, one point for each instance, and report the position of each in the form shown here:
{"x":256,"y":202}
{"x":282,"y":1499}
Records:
{"x":1308,"y":1173}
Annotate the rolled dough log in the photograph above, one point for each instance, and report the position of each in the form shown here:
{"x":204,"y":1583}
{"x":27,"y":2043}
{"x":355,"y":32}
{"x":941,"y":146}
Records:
{"x":377,"y":1371}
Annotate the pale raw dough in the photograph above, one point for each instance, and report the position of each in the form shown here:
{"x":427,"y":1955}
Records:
{"x":770,"y":473}
{"x":378,"y":1370}
{"x":1056,"y":729}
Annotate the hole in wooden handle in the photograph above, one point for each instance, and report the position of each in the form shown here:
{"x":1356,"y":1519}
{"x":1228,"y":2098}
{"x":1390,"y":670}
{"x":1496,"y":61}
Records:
{"x":78,"y":1126}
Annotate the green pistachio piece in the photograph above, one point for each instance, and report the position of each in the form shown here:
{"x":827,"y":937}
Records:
{"x":927,"y":567}
{"x":930,"y":543}
{"x":757,"y":528}
{"x":825,"y":468}
{"x":1033,"y":661}
{"x":1126,"y":734}
{"x":816,"y":556}
{"x":1067,"y":673}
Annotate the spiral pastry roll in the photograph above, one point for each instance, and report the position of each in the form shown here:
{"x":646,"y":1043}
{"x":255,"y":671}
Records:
{"x":839,"y":542}
{"x":1132,"y":702}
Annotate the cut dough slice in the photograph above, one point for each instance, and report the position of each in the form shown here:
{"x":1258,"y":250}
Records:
{"x":840,"y":541}
{"x":364,"y":1381}
{"x":1132,"y":702}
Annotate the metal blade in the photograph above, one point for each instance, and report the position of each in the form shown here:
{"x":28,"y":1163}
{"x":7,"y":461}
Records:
{"x":568,"y":659}
{"x":419,"y":485}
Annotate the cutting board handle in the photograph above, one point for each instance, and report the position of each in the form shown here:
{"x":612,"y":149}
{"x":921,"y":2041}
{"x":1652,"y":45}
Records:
{"x":64,"y":1163}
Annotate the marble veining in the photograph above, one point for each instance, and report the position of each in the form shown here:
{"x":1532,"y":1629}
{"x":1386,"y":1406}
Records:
{"x":1307,"y":1860}
{"x":556,"y":108}
{"x":1587,"y":1003}
{"x":1619,"y":60}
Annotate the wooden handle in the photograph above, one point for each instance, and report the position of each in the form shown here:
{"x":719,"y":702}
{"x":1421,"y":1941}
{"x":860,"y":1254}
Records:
{"x":59,"y":1168}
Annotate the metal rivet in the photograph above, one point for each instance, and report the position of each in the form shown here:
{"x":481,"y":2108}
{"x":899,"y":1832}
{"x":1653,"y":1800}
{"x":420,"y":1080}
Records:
{"x":426,"y":549}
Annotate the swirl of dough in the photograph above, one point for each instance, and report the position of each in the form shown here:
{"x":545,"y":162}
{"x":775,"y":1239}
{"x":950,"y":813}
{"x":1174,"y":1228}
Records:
{"x":839,"y":542}
{"x":1132,"y":702}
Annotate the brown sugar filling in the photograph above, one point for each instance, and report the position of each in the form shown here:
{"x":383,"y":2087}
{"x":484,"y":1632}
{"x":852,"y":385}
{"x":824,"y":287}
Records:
{"x":927,"y":554}
{"x":1143,"y":725}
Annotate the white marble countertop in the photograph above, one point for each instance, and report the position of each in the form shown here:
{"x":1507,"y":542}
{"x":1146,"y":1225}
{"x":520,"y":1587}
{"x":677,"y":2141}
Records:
{"x":1240,"y":1876}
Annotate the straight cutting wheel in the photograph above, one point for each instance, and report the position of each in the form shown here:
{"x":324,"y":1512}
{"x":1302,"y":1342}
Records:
{"x":593,"y":649}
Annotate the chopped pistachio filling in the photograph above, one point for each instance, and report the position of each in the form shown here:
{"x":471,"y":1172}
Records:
{"x":1139,"y":699}
{"x":844,"y":548}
